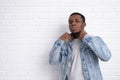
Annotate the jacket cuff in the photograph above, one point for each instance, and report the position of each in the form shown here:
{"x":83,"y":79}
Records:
{"x":59,"y":42}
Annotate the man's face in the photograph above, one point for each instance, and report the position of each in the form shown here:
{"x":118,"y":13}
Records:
{"x":76,"y":23}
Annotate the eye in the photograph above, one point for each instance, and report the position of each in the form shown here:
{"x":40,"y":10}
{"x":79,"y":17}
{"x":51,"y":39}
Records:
{"x":70,"y":22}
{"x":77,"y":21}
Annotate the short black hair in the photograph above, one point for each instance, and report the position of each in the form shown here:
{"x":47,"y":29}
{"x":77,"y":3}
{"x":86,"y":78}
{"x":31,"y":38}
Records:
{"x":82,"y":16}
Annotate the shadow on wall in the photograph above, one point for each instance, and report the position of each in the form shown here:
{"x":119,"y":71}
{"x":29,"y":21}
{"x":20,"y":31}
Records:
{"x":51,"y":72}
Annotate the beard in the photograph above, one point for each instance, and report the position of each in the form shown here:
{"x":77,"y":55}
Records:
{"x":75,"y":35}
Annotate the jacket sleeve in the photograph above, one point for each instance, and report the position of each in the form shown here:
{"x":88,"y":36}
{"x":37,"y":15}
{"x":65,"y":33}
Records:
{"x":54,"y":55}
{"x":98,"y":46}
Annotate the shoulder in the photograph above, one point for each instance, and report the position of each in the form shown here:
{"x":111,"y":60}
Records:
{"x":89,"y":37}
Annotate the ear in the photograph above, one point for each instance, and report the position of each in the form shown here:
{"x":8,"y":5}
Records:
{"x":84,"y":24}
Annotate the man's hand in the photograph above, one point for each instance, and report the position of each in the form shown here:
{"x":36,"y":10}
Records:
{"x":82,"y":34}
{"x":66,"y":36}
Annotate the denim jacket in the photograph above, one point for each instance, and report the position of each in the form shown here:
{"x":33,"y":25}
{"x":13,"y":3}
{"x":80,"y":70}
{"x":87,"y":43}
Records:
{"x":92,"y":48}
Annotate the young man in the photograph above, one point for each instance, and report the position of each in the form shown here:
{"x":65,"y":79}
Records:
{"x":78,"y":52}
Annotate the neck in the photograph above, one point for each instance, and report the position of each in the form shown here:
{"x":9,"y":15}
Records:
{"x":75,"y":35}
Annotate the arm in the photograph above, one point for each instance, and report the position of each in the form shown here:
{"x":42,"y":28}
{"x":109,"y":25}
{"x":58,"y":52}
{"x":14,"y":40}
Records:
{"x":98,"y":47}
{"x":54,"y":55}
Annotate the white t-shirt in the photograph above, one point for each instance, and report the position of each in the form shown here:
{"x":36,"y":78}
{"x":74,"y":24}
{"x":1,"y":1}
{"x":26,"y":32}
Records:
{"x":75,"y":72}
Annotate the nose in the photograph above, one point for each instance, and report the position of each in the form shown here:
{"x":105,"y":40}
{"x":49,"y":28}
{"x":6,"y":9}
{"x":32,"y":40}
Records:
{"x":73,"y":23}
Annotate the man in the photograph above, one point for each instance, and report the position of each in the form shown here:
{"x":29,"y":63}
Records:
{"x":78,"y":52}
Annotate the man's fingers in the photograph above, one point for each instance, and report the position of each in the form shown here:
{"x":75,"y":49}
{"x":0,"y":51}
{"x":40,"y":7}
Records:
{"x":66,"y":36}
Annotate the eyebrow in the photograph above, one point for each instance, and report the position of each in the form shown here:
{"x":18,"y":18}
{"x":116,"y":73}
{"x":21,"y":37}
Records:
{"x":75,"y":19}
{"x":70,"y":20}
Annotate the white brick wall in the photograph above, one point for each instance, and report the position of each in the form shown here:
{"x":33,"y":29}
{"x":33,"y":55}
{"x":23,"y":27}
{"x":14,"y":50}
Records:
{"x":28,"y":29}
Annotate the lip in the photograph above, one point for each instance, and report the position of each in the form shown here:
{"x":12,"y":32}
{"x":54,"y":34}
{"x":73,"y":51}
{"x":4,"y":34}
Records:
{"x":73,"y":29}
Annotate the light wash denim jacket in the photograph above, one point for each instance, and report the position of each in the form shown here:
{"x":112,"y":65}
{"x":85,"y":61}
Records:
{"x":91,"y":48}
